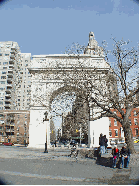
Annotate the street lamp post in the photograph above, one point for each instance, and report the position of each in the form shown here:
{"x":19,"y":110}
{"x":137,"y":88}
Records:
{"x":80,"y":135}
{"x":25,"y":135}
{"x":46,"y":151}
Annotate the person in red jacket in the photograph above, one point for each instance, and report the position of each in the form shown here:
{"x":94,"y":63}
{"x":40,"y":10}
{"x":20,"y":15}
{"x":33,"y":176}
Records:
{"x":115,"y":153}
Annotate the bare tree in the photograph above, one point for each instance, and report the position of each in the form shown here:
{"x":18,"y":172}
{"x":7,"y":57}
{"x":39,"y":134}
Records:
{"x":126,"y":74}
{"x":52,"y":131}
{"x":75,"y":48}
{"x":117,"y":88}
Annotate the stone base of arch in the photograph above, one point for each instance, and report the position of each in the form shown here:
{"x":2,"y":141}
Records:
{"x":39,"y":130}
{"x":95,"y":129}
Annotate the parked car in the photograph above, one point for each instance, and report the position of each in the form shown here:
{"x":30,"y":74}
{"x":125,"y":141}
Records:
{"x":7,"y":144}
{"x":112,"y":142}
{"x":136,"y":141}
{"x":121,"y":142}
{"x":59,"y":144}
{"x":74,"y":143}
{"x":67,"y":144}
{"x":64,"y":142}
{"x":52,"y":143}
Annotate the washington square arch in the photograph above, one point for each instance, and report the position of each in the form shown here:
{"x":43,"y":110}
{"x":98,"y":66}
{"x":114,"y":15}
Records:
{"x":60,"y":73}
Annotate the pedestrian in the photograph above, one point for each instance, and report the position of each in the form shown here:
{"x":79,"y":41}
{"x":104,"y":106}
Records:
{"x":106,"y":140}
{"x":102,"y":143}
{"x":125,"y":155}
{"x":115,"y":153}
{"x":55,"y":143}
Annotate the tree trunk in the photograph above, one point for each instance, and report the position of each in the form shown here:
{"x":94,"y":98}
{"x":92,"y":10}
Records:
{"x":129,"y":137}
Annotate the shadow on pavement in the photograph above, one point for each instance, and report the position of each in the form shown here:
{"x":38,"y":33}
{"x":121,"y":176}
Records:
{"x":107,"y":162}
{"x":104,"y":161}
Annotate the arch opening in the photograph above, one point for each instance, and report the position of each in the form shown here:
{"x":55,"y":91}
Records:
{"x":69,"y":110}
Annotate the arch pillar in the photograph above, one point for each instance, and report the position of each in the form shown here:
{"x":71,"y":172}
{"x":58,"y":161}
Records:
{"x":97,"y":127}
{"x":38,"y":128}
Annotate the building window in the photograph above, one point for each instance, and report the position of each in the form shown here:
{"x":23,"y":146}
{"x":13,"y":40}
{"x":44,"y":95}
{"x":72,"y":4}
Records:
{"x":135,"y":121}
{"x":130,"y":122}
{"x":110,"y":133}
{"x":116,"y":132}
{"x":136,"y":132}
{"x":1,"y":103}
{"x":115,"y":122}
{"x":3,"y":72}
{"x":2,"y":82}
{"x":109,"y":122}
{"x":135,"y":113}
{"x":3,"y":77}
{"x":5,"y":63}
{"x":8,"y":46}
{"x":4,"y":67}
{"x":0,"y":54}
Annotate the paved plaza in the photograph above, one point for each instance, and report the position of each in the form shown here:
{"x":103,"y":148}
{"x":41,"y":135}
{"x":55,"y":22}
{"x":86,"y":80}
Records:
{"x":26,"y":166}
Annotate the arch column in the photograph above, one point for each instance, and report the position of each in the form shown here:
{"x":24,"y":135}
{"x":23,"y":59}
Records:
{"x":38,"y":128}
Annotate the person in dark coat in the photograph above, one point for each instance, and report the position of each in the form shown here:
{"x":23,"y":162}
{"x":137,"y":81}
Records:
{"x":106,"y":140}
{"x":125,"y":154}
{"x":102,"y":144}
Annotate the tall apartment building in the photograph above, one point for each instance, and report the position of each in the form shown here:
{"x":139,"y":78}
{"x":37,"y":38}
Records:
{"x":8,"y":66}
{"x":14,"y":77}
{"x":23,"y":87}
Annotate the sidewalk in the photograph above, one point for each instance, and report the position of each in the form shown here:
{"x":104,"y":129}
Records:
{"x":101,"y":171}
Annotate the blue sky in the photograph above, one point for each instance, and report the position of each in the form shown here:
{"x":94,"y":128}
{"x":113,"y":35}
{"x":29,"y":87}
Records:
{"x":48,"y":26}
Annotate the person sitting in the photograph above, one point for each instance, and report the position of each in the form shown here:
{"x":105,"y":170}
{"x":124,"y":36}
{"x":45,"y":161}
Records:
{"x":125,"y":154}
{"x":115,"y":153}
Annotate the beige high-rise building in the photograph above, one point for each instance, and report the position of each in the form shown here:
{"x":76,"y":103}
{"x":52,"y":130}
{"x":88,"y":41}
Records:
{"x":14,"y":77}
{"x":24,"y":82}
{"x":8,"y":66}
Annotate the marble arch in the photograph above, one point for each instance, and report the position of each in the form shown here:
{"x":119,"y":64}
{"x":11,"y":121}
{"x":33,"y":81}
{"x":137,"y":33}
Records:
{"x":66,"y":88}
{"x":54,"y":74}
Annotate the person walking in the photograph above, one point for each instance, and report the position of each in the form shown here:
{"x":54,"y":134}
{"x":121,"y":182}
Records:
{"x":102,"y":143}
{"x":115,"y":153}
{"x":125,"y":155}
